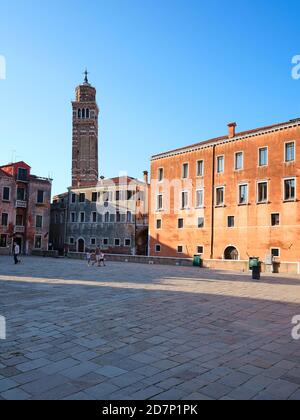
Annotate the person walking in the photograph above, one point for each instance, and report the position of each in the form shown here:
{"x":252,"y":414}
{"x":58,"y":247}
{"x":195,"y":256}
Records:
{"x":102,"y":259}
{"x":88,"y":257}
{"x":16,"y":253}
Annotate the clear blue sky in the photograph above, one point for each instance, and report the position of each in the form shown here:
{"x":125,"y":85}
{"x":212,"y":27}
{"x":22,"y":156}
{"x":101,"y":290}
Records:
{"x":168,"y":73}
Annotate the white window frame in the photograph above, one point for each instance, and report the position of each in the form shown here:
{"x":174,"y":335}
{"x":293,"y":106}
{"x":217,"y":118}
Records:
{"x":200,"y":246}
{"x":275,"y":247}
{"x":285,"y":154}
{"x":181,"y":200}
{"x":177,"y":248}
{"x":80,"y":213}
{"x":36,"y":216}
{"x":257,"y":192}
{"x":243,"y":184}
{"x":117,"y":239}
{"x":158,"y":208}
{"x":202,"y":174}
{"x":196,"y":199}
{"x":130,"y":242}
{"x":218,"y":158}
{"x":289,"y":178}
{"x":235,"y":161}
{"x":273,"y":214}
{"x":159,"y":171}
{"x":3,"y":199}
{"x":35,"y":236}
{"x":91,"y":240}
{"x":188,"y":170}
{"x":216,"y":195}
{"x":263,"y":148}
{"x":156,"y":248}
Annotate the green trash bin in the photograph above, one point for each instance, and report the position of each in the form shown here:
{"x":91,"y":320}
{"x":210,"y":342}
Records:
{"x":253,"y":262}
{"x":197,"y":262}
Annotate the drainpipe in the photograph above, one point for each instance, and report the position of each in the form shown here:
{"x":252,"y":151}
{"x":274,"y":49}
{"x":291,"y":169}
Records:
{"x":213,"y":205}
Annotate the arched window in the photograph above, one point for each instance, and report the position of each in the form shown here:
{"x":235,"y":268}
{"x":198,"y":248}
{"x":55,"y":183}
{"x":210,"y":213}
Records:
{"x":83,"y":113}
{"x":79,"y":113}
{"x":87,"y":113}
{"x":231,"y":253}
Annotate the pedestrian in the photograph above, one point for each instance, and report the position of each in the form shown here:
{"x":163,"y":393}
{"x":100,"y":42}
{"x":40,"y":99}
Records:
{"x":88,"y":257}
{"x":102,"y":259}
{"x":16,"y":253}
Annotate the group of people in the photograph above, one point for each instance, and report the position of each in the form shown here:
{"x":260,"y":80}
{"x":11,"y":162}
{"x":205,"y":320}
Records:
{"x":96,"y":257}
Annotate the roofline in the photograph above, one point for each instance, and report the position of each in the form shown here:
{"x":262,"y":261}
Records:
{"x":225,"y":139}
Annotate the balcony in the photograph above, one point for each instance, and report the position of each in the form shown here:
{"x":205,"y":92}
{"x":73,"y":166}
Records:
{"x":19,"y":229}
{"x":21,"y":204}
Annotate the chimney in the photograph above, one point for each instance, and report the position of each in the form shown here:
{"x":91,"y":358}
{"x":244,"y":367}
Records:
{"x":231,"y":130}
{"x":146,"y":177}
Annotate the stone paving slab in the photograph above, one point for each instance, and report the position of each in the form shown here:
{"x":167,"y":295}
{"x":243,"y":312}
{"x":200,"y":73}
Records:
{"x":145,"y":332}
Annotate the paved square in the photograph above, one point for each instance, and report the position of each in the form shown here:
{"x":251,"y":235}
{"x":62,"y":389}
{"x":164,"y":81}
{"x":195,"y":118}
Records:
{"x":145,"y":332}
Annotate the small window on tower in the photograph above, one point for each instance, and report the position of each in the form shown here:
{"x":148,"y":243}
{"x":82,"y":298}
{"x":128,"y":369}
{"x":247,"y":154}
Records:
{"x":83,"y":113}
{"x":87,"y":113}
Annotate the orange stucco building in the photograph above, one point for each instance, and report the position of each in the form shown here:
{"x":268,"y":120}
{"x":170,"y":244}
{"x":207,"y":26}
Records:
{"x":230,"y":197}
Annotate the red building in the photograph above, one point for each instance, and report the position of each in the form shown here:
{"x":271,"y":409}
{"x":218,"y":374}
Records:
{"x":24,"y":209}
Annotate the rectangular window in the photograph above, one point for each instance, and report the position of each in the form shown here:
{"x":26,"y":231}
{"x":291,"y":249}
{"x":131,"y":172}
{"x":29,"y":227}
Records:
{"x":127,"y":242}
{"x":290,"y":151}
{"x":184,"y":200}
{"x":20,"y":194}
{"x":220,"y":196}
{"x":200,"y":222}
{"x":118,"y":195}
{"x":73,"y":199}
{"x":94,"y":197}
{"x":180,"y":249}
{"x":4,"y":219}
{"x":158,"y":224}
{"x":239,"y":161}
{"x":200,"y":168}
{"x":243,"y":194}
{"x":40,"y":197}
{"x":289,"y":189}
{"x":200,"y":249}
{"x":39,"y":222}
{"x":230,"y":221}
{"x":6,"y":194}
{"x":180,"y":223}
{"x":81,"y":198}
{"x":262,"y":192}
{"x":263,"y":156}
{"x":185,"y":170}
{"x":19,"y":220}
{"x":93,"y":241}
{"x":130,"y":195}
{"x":105,"y":241}
{"x":275,"y":219}
{"x":199,"y":198}
{"x":159,"y":202}
{"x":3,"y":241}
{"x":275,"y":252}
{"x":160,"y":175}
{"x":94,"y":217}
{"x":73,"y":217}
{"x":157,"y":248}
{"x":22,"y":174}
{"x":71,"y":241}
{"x":106,"y":217}
{"x":117,"y":242}
{"x":38,"y":242}
{"x":220,"y":164}
{"x":82,"y":217}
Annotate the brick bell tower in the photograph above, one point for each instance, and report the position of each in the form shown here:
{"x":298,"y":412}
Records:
{"x":85,"y":136}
